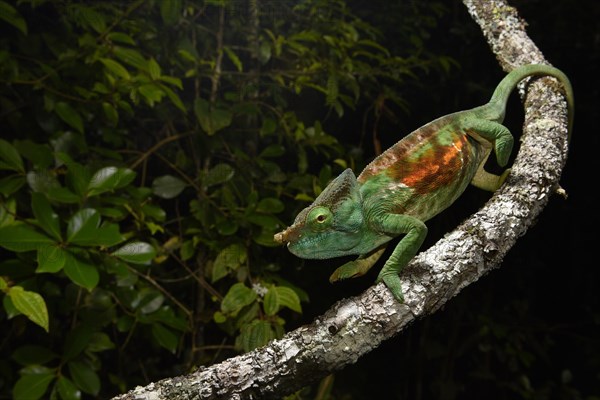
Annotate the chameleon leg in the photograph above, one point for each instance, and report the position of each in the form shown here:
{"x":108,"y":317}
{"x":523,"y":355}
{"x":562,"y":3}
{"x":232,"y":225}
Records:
{"x":487,"y":181}
{"x":488,"y":132}
{"x":494,"y":133}
{"x":415,"y":232}
{"x":358,"y":267}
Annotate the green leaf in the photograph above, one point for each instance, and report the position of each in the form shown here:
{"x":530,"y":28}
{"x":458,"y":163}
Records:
{"x":99,"y":342}
{"x":45,"y":215}
{"x":237,"y":298}
{"x":9,"y":14}
{"x":31,"y":304}
{"x":281,"y":296}
{"x":109,"y":178}
{"x":170,"y":11}
{"x":111,"y":113}
{"x":93,"y":18}
{"x":136,"y":253}
{"x":42,"y":181}
{"x":81,"y":273}
{"x":33,"y":355}
{"x":153,"y":69}
{"x":165,"y":337}
{"x":229,"y":259}
{"x":76,"y":341}
{"x":152,"y":93}
{"x":211,"y":119}
{"x":115,"y":68}
{"x":121,"y":38}
{"x":51,"y":258}
{"x":67,"y":389}
{"x":233,"y":58}
{"x":83,"y":226}
{"x":256,"y":334}
{"x":11,"y":184}
{"x":131,"y":57}
{"x":274,"y":150}
{"x":40,"y":155}
{"x":32,"y":386}
{"x":270,"y":205}
{"x":69,"y":115}
{"x":10,"y":157}
{"x":218,"y":174}
{"x":84,"y":377}
{"x":20,"y":237}
{"x":168,"y":186}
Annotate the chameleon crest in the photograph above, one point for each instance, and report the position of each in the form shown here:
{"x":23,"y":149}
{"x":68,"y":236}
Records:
{"x":408,"y":184}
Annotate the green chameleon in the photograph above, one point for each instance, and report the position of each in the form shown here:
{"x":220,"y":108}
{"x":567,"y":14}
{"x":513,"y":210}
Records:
{"x":408,"y":184}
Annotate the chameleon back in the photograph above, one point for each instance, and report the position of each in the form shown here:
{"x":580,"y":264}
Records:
{"x":424,"y":172}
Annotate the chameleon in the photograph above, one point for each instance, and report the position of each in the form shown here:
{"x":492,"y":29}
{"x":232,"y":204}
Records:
{"x":406,"y":185}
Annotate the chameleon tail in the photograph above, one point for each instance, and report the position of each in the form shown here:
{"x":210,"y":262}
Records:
{"x":510,"y":81}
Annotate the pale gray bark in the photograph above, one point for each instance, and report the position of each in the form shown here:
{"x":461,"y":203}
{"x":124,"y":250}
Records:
{"x":355,"y":326}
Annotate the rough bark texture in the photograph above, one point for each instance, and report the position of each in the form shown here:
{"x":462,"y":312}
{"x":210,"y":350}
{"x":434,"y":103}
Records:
{"x":355,"y":326}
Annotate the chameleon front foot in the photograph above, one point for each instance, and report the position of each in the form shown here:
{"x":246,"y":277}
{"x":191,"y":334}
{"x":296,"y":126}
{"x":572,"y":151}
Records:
{"x":392,"y":281}
{"x":349,"y":270}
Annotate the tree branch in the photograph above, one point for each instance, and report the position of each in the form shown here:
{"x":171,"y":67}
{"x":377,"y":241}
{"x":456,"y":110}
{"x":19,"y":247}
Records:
{"x":355,"y":326}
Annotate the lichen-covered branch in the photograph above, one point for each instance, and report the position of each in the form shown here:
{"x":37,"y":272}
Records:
{"x":355,"y":326}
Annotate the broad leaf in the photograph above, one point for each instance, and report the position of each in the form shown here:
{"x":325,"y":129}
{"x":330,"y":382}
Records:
{"x":256,"y":334}
{"x":21,"y":237}
{"x":229,"y":259}
{"x":115,"y":68}
{"x":237,"y":298}
{"x":45,"y":215}
{"x":10,"y":184}
{"x":31,"y":304}
{"x":170,"y":11}
{"x":83,"y":226}
{"x":109,"y":178}
{"x":81,"y":273}
{"x":218,"y":174}
{"x":84,"y":377}
{"x":9,"y":14}
{"x":84,"y":229}
{"x":10,"y":157}
{"x":281,"y":296}
{"x":136,"y":253}
{"x":168,"y":186}
{"x":211,"y":119}
{"x":51,"y":258}
{"x":165,"y":337}
{"x":33,"y":355}
{"x":69,"y":115}
{"x":67,"y":389}
{"x":32,"y":386}
{"x":270,"y":205}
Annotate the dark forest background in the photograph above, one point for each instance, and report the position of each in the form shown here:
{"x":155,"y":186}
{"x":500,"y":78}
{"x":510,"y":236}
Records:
{"x":150,"y":149}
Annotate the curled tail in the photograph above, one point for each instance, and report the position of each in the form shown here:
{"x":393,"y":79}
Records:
{"x":510,"y":81}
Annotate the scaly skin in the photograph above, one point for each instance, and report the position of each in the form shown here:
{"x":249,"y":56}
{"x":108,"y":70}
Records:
{"x":408,"y":184}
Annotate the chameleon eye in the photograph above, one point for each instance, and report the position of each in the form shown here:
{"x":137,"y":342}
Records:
{"x":319,"y":217}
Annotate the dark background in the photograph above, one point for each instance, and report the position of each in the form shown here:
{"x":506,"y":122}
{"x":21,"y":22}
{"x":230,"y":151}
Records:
{"x":532,"y":327}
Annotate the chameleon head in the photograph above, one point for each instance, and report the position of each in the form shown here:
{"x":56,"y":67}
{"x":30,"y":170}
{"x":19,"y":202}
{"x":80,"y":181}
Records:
{"x":331,"y":226}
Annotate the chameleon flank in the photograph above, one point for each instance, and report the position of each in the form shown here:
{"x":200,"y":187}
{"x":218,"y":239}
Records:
{"x":408,"y":184}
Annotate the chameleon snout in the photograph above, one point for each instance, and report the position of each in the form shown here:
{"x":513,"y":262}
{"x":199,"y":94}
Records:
{"x":281,"y":237}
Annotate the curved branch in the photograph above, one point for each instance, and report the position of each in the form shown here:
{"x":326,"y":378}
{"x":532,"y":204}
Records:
{"x":354,"y":326}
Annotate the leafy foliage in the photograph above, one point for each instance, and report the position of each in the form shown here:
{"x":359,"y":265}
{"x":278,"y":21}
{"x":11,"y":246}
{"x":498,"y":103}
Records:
{"x":150,"y":151}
